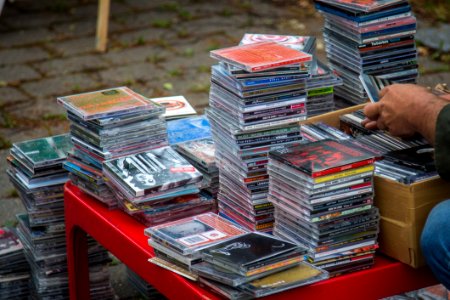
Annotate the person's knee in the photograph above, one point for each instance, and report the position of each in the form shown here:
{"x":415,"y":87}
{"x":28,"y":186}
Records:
{"x":435,"y":230}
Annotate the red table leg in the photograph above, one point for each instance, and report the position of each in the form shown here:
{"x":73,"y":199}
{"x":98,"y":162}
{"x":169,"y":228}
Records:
{"x":77,"y":258}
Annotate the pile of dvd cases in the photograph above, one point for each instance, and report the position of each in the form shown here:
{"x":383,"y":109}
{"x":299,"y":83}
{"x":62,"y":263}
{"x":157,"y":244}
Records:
{"x":14,"y":268}
{"x":323,"y":197}
{"x":107,"y":124}
{"x":369,"y":38}
{"x":253,"y":112}
{"x":36,"y":170}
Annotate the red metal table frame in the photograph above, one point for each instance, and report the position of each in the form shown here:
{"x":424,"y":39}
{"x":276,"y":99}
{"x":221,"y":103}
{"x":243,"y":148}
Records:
{"x":124,"y":237}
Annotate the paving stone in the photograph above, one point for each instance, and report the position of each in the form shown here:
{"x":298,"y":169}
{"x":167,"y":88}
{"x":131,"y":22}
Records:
{"x":22,"y":55}
{"x":14,"y":73}
{"x":432,"y":79}
{"x":141,"y":20}
{"x":34,"y":19}
{"x":76,"y":29}
{"x":72,"y":64}
{"x":60,"y":86}
{"x":141,"y":36}
{"x":74,"y":47}
{"x":10,"y":94}
{"x":435,"y":37}
{"x":130,"y":73}
{"x":10,"y":206}
{"x":131,"y":55}
{"x":44,"y":111}
{"x":26,"y":37}
{"x":84,"y":11}
{"x":429,"y":65}
{"x":143,"y":4}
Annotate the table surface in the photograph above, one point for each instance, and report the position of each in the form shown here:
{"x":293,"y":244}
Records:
{"x":124,"y":237}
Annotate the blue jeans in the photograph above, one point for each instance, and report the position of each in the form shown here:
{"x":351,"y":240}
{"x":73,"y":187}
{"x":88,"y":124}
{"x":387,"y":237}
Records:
{"x":435,"y":242}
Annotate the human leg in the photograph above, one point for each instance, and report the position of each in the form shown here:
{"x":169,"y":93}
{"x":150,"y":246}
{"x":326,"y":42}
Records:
{"x":435,"y":242}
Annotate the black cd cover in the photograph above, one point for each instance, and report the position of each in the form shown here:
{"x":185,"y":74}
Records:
{"x":156,"y":170}
{"x":249,"y":249}
{"x":420,"y":157}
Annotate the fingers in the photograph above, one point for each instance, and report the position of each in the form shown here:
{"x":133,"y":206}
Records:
{"x":372,"y":111}
{"x":383,"y":92}
{"x":372,"y":125}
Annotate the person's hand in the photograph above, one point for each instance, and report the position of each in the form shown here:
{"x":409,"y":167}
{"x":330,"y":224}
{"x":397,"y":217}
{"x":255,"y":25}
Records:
{"x":403,"y":110}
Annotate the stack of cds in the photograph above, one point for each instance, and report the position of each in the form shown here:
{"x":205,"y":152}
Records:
{"x":320,"y":90}
{"x":227,"y":259}
{"x":320,"y":83}
{"x":146,"y":290}
{"x":157,"y":186}
{"x":36,"y":170}
{"x":201,"y":154}
{"x":257,"y":264}
{"x":375,"y":38}
{"x":251,"y":115}
{"x":109,"y":124}
{"x":178,"y":243}
{"x":14,"y":268}
{"x":323,"y":197}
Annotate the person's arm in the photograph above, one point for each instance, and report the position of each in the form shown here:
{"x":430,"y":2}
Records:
{"x":405,"y":109}
{"x":442,"y":143}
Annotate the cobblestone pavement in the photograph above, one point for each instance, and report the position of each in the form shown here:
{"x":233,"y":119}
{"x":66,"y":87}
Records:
{"x":158,"y":48}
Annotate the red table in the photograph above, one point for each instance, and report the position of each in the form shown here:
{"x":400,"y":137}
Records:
{"x":124,"y":237}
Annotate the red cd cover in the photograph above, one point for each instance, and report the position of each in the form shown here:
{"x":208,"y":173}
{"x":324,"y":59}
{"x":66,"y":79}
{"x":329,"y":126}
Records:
{"x":260,"y":56}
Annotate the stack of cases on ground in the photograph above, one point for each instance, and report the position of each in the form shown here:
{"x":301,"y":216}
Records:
{"x":14,"y":268}
{"x":157,"y":186}
{"x":109,"y":124}
{"x":146,"y":290}
{"x":37,"y":173}
{"x":253,"y":111}
{"x":369,"y":38}
{"x":323,"y":197}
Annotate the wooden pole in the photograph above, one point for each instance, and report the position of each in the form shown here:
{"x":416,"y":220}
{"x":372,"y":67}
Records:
{"x":102,"y":25}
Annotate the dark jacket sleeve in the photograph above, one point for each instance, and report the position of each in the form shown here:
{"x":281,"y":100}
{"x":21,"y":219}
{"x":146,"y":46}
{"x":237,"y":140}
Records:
{"x":442,"y":143}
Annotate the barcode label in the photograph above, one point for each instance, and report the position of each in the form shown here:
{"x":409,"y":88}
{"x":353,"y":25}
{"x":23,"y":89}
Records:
{"x":193,"y":240}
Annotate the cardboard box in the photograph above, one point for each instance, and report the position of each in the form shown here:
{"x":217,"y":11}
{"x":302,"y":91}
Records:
{"x":403,"y":208}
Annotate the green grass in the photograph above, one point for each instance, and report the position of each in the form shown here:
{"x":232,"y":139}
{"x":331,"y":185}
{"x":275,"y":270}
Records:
{"x":188,"y":52}
{"x":140,"y":41}
{"x":168,"y":86}
{"x":54,"y":117}
{"x":7,"y":120}
{"x":204,"y":69}
{"x":155,"y":59}
{"x":161,"y":23}
{"x":4,"y":143}
{"x":178,"y":72}
{"x":185,"y":15}
{"x":12,"y":193}
{"x":59,"y":6}
{"x":200,"y":88}
{"x":170,"y":6}
{"x":226,"y":12}
{"x":183,"y":33}
{"x":213,"y":46}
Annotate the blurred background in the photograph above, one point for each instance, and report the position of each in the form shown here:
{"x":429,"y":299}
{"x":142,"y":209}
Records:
{"x":157,"y":48}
